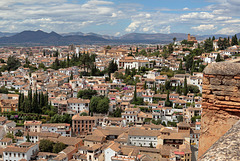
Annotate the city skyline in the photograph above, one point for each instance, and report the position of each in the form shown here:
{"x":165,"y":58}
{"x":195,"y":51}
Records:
{"x":117,"y":18}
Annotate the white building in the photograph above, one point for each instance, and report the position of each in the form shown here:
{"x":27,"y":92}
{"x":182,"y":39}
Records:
{"x":145,"y":138}
{"x":130,"y":114}
{"x":23,"y":151}
{"x":112,"y":150}
{"x":78,"y":105}
{"x":63,"y":129}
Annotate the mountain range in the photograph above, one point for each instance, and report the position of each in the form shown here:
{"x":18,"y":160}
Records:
{"x":43,"y":38}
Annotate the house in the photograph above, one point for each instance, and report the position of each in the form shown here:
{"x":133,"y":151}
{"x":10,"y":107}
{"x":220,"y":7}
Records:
{"x":5,"y":142}
{"x":63,"y":129}
{"x":112,"y":150}
{"x":23,"y":151}
{"x":145,"y":138}
{"x":33,"y":126}
{"x":130,"y":114}
{"x":78,"y":105}
{"x":69,"y":151}
{"x":91,"y":140}
{"x":95,"y":153}
{"x":174,"y":139}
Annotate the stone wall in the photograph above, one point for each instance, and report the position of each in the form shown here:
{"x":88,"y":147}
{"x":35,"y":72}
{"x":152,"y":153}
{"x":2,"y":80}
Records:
{"x":221,"y":102}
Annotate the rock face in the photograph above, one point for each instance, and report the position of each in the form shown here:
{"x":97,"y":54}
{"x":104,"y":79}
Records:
{"x":226,"y":148}
{"x":221,"y":102}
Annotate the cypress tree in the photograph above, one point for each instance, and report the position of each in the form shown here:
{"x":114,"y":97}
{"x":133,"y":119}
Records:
{"x":179,"y":90}
{"x":167,"y":102}
{"x":135,"y":94}
{"x":19,"y":101}
{"x":180,"y":66}
{"x":28,"y":138}
{"x":218,"y":59}
{"x":71,"y":77}
{"x":185,"y":88}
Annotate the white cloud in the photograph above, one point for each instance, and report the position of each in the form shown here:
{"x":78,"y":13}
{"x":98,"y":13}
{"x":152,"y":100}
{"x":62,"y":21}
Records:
{"x":132,"y":27}
{"x":203,"y":28}
{"x":114,"y":15}
{"x":62,"y":16}
{"x":165,"y":30}
{"x":117,"y":34}
{"x":229,"y":30}
{"x":197,"y":15}
{"x":148,"y":15}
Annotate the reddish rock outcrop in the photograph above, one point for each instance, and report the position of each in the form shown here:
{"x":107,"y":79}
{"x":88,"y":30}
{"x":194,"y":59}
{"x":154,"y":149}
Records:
{"x":221,"y":102}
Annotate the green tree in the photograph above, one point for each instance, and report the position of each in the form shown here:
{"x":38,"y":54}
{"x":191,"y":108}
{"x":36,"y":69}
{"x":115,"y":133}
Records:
{"x":103,"y":105}
{"x":46,"y":145}
{"x":66,"y":118}
{"x":83,"y":114}
{"x":41,"y":65}
{"x":193,"y":89}
{"x":218,"y":59}
{"x":135,"y":94}
{"x":28,"y":137}
{"x":11,"y":136}
{"x":86,"y":93}
{"x":19,"y":133}
{"x":93,"y":103}
{"x":71,"y":76}
{"x":170,"y":48}
{"x":168,"y":103}
{"x":234,"y":40}
{"x":112,"y":67}
{"x":174,"y":39}
{"x":180,"y":66}
{"x":117,"y":112}
{"x":179,"y":89}
{"x":58,"y":147}
{"x":180,"y":118}
{"x":208,"y":45}
{"x":151,"y":145}
{"x":143,"y":52}
{"x":12,"y":63}
{"x":167,"y":85}
{"x":185,"y":87}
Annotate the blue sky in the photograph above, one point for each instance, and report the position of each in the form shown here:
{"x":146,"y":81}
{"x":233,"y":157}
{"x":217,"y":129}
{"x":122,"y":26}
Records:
{"x":119,"y":17}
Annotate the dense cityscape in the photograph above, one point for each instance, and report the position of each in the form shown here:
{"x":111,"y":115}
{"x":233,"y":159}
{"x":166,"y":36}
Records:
{"x":119,"y":80}
{"x":106,"y":102}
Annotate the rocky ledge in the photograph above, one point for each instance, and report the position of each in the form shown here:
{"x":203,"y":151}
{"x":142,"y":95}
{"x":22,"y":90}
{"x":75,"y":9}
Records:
{"x":226,"y":148}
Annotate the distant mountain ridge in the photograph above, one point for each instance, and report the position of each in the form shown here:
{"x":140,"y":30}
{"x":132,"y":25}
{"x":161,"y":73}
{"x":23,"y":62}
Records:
{"x":43,"y":38}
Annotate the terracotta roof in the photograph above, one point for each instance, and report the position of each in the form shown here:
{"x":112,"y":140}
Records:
{"x":140,"y":132}
{"x":78,"y":117}
{"x":6,"y":140}
{"x":94,"y":138}
{"x":69,"y":149}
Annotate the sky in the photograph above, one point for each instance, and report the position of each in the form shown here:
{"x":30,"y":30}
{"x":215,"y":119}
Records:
{"x":119,"y":17}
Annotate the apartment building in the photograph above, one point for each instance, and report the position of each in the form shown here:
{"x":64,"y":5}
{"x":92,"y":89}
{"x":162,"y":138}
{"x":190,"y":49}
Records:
{"x":145,"y":138}
{"x":63,"y":129}
{"x":23,"y":151}
{"x":33,"y":126}
{"x":82,"y":124}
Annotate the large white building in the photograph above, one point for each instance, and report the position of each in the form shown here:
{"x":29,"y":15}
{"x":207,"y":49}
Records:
{"x":23,"y":151}
{"x":131,"y":114}
{"x":78,"y":105}
{"x":145,"y":138}
{"x":63,"y":129}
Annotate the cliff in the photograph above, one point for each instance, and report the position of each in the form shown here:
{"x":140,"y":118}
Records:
{"x":221,"y":102}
